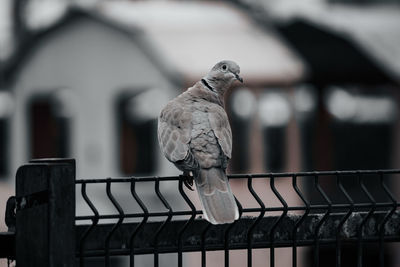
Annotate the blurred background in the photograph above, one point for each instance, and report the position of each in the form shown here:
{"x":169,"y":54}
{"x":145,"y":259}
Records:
{"x":87,"y":79}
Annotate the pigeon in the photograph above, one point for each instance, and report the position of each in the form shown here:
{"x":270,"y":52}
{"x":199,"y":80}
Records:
{"x":194,"y":134}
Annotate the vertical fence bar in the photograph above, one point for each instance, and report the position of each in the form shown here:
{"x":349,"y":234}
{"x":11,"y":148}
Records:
{"x":181,"y":231}
{"x":45,"y":217}
{"x":142,"y":223}
{"x":321,"y":222}
{"x":382,"y":225}
{"x":276,"y":224}
{"x":300,"y":221}
{"x":203,"y":245}
{"x":226,"y":244}
{"x":252,"y":227}
{"x":363,"y":222}
{"x":95,"y":221}
{"x":119,"y":222}
{"x":159,"y":230}
{"x":342,"y":221}
{"x":226,"y":241}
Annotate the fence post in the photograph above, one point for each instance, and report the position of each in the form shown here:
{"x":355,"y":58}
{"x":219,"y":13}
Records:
{"x":45,"y":217}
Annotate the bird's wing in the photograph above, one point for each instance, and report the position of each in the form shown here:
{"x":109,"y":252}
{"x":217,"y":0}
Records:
{"x":174,"y":130}
{"x":222,"y":130}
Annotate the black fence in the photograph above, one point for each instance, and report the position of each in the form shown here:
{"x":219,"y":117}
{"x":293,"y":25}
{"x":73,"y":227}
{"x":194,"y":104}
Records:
{"x":345,"y":218}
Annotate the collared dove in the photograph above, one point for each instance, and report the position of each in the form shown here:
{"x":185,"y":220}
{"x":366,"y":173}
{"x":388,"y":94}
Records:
{"x":194,"y":134}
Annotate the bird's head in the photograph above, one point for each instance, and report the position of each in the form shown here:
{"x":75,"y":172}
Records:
{"x":222,"y":75}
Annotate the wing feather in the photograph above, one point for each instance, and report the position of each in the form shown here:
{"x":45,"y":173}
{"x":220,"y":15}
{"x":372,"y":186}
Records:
{"x":174,"y":130}
{"x":222,"y":130}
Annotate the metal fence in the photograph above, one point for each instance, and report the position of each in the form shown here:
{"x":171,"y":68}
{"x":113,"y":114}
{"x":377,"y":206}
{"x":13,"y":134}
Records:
{"x":339,"y":211}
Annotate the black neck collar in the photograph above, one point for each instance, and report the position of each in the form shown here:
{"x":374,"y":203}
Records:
{"x":207,"y":85}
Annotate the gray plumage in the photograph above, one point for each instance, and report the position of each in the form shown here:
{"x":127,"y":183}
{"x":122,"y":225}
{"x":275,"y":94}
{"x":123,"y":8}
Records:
{"x":194,"y":134}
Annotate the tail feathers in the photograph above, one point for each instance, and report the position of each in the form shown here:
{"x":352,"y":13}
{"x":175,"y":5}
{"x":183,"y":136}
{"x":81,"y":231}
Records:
{"x":216,"y":197}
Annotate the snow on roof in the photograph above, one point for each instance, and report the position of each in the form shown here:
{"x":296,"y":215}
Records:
{"x":192,"y":36}
{"x":375,"y":28}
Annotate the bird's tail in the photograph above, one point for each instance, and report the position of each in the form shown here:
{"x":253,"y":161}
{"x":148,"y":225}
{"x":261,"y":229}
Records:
{"x":216,"y":197}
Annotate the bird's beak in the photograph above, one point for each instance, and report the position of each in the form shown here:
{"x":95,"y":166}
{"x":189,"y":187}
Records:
{"x":240,"y":79}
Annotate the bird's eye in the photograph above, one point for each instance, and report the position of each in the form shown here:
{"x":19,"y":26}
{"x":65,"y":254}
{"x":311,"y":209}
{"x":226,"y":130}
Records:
{"x":224,"y":67}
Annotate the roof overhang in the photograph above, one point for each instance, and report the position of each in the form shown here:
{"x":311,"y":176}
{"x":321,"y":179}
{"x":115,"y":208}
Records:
{"x":190,"y":37}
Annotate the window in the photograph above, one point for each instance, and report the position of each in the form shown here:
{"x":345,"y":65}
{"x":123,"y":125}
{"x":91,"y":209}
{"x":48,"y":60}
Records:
{"x":49,"y":127}
{"x":241,"y":107}
{"x":3,"y":146}
{"x":363,"y":121}
{"x":6,"y":107}
{"x":274,"y":113}
{"x":137,"y":132}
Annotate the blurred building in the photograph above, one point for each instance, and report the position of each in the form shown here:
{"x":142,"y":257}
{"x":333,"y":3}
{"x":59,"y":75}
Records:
{"x":352,"y":119}
{"x":351,"y":49}
{"x":91,"y":85}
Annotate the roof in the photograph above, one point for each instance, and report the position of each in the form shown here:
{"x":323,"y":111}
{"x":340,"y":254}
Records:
{"x":29,"y":43}
{"x":191,"y":37}
{"x":333,"y":58}
{"x":374,"y":28}
{"x":185,"y":39}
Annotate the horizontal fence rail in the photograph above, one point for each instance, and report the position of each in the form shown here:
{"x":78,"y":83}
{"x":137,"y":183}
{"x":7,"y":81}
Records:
{"x":215,"y":239}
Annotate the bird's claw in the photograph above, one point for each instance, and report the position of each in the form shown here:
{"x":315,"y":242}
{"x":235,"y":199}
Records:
{"x":188,"y":181}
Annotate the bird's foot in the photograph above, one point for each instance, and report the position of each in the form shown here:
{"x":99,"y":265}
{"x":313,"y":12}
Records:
{"x":188,"y":180}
